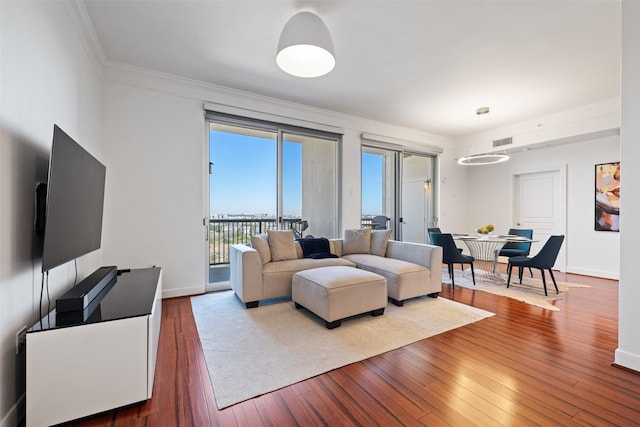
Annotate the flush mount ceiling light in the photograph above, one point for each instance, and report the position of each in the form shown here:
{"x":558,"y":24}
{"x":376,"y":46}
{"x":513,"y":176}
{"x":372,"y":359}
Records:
{"x":482,"y":159}
{"x":305,"y":48}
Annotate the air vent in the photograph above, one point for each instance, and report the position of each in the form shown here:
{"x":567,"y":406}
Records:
{"x":503,"y":141}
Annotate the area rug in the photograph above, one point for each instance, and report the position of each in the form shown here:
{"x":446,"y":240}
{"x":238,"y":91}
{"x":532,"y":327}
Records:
{"x":255,"y":351}
{"x":530,"y":291}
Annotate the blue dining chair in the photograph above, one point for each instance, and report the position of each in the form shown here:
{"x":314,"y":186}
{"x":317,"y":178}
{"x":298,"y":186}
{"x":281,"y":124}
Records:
{"x":437,"y":230}
{"x":513,"y":249}
{"x":543,"y":260}
{"x":451,"y":255}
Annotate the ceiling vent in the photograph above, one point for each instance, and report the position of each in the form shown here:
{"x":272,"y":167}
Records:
{"x":503,"y":141}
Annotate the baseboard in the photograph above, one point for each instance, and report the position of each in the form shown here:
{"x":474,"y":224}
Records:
{"x":217,"y":286}
{"x":182,"y":292}
{"x":16,"y":414}
{"x":614,"y":275}
{"x":627,"y":360}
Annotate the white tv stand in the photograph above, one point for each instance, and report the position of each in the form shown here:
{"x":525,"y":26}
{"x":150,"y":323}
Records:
{"x":102,"y":363}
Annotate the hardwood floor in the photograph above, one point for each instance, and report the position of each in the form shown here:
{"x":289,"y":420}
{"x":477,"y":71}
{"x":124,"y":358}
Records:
{"x":523,"y":366}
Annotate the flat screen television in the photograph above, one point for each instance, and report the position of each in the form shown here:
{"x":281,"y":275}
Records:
{"x":74,"y":202}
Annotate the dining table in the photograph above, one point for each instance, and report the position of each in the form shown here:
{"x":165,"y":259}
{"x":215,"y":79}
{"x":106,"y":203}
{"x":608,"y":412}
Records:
{"x":485,"y":249}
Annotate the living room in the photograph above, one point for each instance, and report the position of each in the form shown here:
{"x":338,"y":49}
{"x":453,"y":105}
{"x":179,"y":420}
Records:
{"x":148,"y":128}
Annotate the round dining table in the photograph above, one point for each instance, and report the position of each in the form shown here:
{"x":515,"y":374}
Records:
{"x":485,"y":248}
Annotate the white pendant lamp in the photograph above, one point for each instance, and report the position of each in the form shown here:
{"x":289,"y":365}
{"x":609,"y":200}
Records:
{"x":486,"y":158}
{"x":305,"y":48}
{"x":482,"y":159}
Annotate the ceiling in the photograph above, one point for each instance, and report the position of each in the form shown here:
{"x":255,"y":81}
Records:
{"x":426,"y":65}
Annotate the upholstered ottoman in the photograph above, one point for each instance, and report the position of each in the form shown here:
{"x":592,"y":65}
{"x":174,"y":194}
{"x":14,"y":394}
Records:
{"x":335,"y":293}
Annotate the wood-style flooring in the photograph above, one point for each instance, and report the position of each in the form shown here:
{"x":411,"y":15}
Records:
{"x":523,"y":366}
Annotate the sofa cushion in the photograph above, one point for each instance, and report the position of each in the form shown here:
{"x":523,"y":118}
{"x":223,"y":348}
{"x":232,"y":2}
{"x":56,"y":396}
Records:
{"x":276,"y":276}
{"x":404,"y":279}
{"x":282,"y":245}
{"x":379,"y":240}
{"x":260,"y":243}
{"x":357,"y":241}
{"x":383,"y":266}
{"x":304,"y":264}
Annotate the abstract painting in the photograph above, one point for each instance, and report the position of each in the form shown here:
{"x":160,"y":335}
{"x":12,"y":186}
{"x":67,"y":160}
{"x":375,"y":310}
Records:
{"x":607,"y":200}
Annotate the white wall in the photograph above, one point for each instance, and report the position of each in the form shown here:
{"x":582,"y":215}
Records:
{"x":46,"y":77}
{"x":589,"y":252}
{"x":154,"y":192}
{"x":628,"y":352}
{"x":154,"y":141}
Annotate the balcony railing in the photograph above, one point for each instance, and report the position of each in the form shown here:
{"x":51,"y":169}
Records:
{"x":226,"y":232}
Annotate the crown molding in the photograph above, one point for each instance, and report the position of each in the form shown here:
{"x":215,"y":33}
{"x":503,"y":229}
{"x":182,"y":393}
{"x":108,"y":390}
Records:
{"x":77,"y":12}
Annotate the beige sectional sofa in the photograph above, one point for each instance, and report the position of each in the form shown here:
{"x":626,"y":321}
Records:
{"x":266,"y":270}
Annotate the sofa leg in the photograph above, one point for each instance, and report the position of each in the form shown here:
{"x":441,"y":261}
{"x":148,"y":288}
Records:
{"x":333,"y":325}
{"x":434,"y":294}
{"x":378,"y":312}
{"x":396,"y":302}
{"x":252,"y":304}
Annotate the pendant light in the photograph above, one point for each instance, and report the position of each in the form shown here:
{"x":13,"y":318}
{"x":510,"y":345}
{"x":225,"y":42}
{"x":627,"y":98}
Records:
{"x":305,"y":48}
{"x":482,"y":159}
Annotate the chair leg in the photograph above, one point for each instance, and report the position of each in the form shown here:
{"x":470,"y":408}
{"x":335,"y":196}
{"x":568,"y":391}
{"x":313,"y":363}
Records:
{"x":453,"y":282}
{"x":544,"y":281}
{"x":554,"y":281}
{"x":450,"y":270}
{"x":509,"y":268}
{"x":473,"y":275}
{"x":520,"y":271}
{"x":531,"y":272}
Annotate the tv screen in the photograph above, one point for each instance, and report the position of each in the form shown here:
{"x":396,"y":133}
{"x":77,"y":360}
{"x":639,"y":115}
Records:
{"x":75,"y":199}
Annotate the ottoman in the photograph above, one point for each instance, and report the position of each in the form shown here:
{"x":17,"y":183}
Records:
{"x":335,"y":293}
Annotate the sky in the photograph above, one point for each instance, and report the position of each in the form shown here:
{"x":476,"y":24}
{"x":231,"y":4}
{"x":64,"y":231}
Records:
{"x":244,"y":177}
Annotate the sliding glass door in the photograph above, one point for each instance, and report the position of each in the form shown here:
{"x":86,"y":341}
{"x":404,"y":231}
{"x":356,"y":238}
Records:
{"x":266,"y":176}
{"x":380,"y":186}
{"x":398,"y":185}
{"x":309,"y":184}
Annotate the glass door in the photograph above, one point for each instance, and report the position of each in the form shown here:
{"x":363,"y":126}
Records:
{"x":266,"y":176}
{"x":309,"y":185}
{"x":398,"y":185}
{"x":242,"y":190}
{"x":379,"y":187}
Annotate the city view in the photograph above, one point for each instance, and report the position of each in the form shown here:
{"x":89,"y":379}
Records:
{"x":243,"y":190}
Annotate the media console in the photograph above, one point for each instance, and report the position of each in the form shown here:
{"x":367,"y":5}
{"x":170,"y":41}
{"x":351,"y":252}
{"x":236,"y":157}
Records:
{"x":103,"y":359}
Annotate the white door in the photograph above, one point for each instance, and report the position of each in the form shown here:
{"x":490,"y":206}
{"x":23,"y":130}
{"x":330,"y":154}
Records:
{"x":414,"y":212}
{"x":539,"y":204}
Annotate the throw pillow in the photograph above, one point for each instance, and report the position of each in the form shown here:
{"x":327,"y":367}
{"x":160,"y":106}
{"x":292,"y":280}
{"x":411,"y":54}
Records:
{"x":282,"y":245}
{"x":379,"y":240}
{"x":260,"y":243}
{"x":314,"y":245}
{"x":357,"y":241}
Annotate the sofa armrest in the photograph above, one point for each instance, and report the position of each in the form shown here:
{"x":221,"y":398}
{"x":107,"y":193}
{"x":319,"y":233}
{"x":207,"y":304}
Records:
{"x":427,"y":255}
{"x":245,"y":273}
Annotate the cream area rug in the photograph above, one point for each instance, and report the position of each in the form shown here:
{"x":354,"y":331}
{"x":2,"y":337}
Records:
{"x":530,"y":291}
{"x":250,"y":352}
